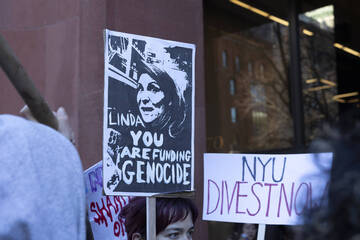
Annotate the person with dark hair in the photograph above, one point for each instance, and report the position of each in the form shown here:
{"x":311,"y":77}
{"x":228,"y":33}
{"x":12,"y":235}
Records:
{"x":161,"y":100}
{"x":244,"y":231}
{"x":175,"y":218}
{"x":338,"y":217}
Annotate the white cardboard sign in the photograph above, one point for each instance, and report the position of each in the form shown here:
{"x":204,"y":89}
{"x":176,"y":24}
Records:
{"x":103,"y":210}
{"x":263,"y":188}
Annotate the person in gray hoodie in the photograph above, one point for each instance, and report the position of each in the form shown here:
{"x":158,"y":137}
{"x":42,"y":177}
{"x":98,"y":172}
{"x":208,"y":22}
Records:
{"x":42,"y":193}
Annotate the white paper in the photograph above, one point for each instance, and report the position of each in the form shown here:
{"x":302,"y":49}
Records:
{"x":263,"y":188}
{"x":103,"y":210}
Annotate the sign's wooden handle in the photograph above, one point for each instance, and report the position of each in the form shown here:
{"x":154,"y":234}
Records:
{"x":150,"y":217}
{"x":261,"y":232}
{"x":25,"y":86}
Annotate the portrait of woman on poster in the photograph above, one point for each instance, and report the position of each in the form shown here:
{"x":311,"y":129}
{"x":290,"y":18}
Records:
{"x":160,"y":100}
{"x":175,"y":218}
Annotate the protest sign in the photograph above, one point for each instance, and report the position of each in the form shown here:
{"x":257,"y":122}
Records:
{"x":103,"y":210}
{"x":148,"y":143}
{"x":263,"y":188}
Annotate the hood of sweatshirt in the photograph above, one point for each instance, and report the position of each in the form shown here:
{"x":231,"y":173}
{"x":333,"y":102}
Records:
{"x":42,"y":194}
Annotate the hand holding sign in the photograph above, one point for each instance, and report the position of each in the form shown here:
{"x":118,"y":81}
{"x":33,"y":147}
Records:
{"x":62,"y":121}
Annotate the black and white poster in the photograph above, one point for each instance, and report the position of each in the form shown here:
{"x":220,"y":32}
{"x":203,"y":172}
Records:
{"x":148,"y":139}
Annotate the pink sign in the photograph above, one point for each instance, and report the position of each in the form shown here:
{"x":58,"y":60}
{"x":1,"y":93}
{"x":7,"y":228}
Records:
{"x":103,"y":210}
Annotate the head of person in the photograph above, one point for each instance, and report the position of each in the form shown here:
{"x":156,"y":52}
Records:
{"x":160,"y":101}
{"x":249,"y":230}
{"x":175,"y":218}
{"x":242,"y":231}
{"x":338,"y":217}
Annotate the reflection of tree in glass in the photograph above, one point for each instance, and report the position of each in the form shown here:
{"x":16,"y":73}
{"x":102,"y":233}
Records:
{"x":317,"y":62}
{"x":265,"y":96}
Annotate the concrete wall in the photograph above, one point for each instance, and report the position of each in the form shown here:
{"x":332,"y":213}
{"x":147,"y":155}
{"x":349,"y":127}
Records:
{"x":60,"y":44}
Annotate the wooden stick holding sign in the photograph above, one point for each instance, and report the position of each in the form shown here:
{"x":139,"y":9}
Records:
{"x":261,"y":232}
{"x":29,"y":93}
{"x":25,"y":86}
{"x":150,"y":217}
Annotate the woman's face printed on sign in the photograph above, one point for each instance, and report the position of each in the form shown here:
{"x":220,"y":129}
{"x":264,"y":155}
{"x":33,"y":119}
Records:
{"x":150,"y":98}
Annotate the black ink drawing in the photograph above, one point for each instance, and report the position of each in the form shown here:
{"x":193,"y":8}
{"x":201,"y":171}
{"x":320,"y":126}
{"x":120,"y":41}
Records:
{"x":148,"y":115}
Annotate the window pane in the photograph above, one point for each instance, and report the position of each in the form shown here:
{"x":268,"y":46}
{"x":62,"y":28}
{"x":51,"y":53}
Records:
{"x":250,"y":68}
{"x":224,"y":58}
{"x":318,"y":67}
{"x":232,"y":87}
{"x":260,"y":116}
{"x":233,"y":114}
{"x":237,"y":63}
{"x":259,"y":102}
{"x":262,"y":74}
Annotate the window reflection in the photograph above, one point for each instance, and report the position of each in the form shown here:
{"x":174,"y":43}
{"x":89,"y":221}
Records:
{"x":250,"y":68}
{"x":259,"y":111}
{"x":318,"y":67}
{"x":232,"y":87}
{"x":262,"y":71}
{"x":233,"y":114}
{"x":224,"y":58}
{"x":237,"y":63}
{"x":256,"y":40}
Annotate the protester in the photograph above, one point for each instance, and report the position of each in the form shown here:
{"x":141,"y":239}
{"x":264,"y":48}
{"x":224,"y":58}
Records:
{"x":62,"y":118}
{"x":42,"y":193}
{"x":339,"y":216}
{"x":175,"y":218}
{"x":244,"y":231}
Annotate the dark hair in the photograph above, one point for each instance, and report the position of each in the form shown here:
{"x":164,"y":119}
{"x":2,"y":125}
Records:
{"x":339,"y":216}
{"x":175,"y":107}
{"x":168,"y":211}
{"x":237,"y":230}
